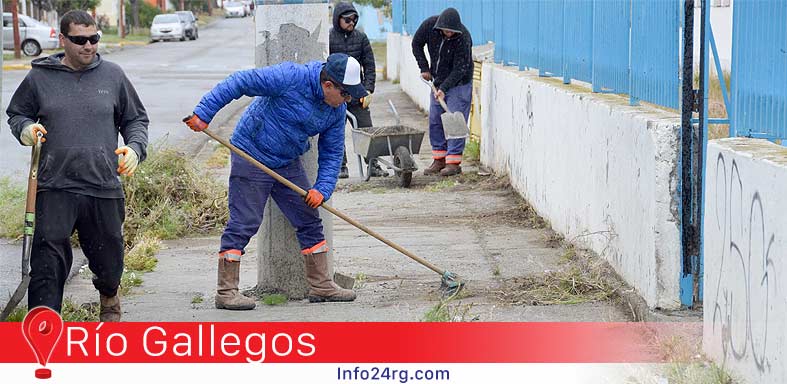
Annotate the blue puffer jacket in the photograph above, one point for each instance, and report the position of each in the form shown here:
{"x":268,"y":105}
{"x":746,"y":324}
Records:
{"x":288,"y":109}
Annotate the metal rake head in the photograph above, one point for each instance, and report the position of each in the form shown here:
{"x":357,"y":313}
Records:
{"x":450,"y":285}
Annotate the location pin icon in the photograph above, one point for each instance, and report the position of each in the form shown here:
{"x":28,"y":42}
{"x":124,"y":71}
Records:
{"x":42,"y":328}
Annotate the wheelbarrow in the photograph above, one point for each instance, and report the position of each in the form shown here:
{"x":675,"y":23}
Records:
{"x":398,"y":143}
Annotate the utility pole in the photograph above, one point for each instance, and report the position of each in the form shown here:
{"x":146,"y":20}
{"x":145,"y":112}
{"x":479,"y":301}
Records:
{"x":182,"y":5}
{"x":122,"y":19}
{"x":15,"y":20}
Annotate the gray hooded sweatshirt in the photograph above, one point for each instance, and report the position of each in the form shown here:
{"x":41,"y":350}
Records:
{"x":83,"y":112}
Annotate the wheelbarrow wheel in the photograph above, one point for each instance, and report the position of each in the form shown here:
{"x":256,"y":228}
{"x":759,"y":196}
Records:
{"x":403,"y":159}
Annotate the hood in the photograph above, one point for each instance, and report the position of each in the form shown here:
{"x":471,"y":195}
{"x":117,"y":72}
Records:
{"x":55,"y":62}
{"x":339,"y":10}
{"x":449,"y":20}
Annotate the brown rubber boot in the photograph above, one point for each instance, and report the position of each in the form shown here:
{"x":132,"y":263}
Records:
{"x":110,"y":309}
{"x":321,"y":287}
{"x":227,"y":294}
{"x":451,"y":170}
{"x":435,"y":168}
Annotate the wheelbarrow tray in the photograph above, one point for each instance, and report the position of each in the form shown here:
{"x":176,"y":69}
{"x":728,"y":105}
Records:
{"x":372,"y":142}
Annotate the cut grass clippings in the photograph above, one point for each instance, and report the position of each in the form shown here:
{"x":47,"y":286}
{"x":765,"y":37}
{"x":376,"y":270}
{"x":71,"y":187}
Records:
{"x":168,"y":198}
{"x":445,"y":312}
{"x":219,"y":159}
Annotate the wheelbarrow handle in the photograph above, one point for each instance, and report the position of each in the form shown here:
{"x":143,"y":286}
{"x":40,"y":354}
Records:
{"x":325,"y":206}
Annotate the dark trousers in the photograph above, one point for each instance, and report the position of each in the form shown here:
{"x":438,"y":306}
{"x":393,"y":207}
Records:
{"x":364,"y":117}
{"x":99,"y":223}
{"x":249,"y":191}
{"x":458,"y":99}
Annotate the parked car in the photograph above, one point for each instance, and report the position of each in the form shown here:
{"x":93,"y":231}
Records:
{"x":192,"y":29}
{"x":167,"y":26}
{"x":234,"y":9}
{"x":248,"y":7}
{"x":34,"y":35}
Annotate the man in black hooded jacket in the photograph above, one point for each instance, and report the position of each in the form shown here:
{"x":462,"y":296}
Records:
{"x":451,"y":71}
{"x":345,"y":38}
{"x":81,"y":104}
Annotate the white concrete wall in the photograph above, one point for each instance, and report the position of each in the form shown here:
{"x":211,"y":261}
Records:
{"x":745,"y":290}
{"x":603,"y":173}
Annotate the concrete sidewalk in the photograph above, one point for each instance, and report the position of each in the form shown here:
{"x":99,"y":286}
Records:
{"x":472,"y":225}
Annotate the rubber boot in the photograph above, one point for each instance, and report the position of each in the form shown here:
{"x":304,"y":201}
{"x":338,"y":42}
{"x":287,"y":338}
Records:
{"x":344,"y":173}
{"x":110,"y":309}
{"x":321,"y":287}
{"x":435,"y":168}
{"x":227,"y":294}
{"x":451,"y":170}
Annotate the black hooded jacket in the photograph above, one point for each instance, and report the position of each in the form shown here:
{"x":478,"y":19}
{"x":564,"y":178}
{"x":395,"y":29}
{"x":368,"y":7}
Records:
{"x":354,"y":44}
{"x":452,"y":59}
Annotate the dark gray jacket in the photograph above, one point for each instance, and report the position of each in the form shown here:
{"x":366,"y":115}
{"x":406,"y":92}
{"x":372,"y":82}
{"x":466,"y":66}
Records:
{"x":452,"y":59}
{"x":83,"y":112}
{"x":354,"y":44}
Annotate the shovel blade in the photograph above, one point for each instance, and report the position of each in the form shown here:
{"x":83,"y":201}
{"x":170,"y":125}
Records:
{"x":454,"y":125}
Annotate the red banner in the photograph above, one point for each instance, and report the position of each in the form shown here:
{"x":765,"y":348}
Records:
{"x":344,"y":343}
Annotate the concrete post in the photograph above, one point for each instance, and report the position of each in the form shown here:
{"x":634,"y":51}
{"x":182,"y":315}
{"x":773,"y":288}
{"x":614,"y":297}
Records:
{"x":297,"y":33}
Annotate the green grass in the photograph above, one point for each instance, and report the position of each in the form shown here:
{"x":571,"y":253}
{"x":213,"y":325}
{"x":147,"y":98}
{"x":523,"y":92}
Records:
{"x":197,"y":299}
{"x":111,"y":37}
{"x":71,"y":312}
{"x":142,"y":257}
{"x":441,"y":185}
{"x":129,"y":280}
{"x":472,"y":151}
{"x":444,"y":311}
{"x":274,"y":299}
{"x":12,"y":209}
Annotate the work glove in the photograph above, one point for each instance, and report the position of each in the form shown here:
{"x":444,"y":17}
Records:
{"x":195,"y":123}
{"x":29,"y":134}
{"x":313,"y":198}
{"x":366,"y":100}
{"x":129,"y":161}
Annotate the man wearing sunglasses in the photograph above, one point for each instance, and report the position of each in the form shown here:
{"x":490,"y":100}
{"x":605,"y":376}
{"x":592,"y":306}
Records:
{"x":293,"y":102}
{"x":345,"y":38}
{"x":80,"y":103}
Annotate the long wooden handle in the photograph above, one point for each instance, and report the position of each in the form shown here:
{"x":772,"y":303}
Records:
{"x":439,"y":99}
{"x":325,"y":206}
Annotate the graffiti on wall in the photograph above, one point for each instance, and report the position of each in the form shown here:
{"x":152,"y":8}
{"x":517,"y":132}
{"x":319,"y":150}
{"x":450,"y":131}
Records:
{"x":746,"y":275}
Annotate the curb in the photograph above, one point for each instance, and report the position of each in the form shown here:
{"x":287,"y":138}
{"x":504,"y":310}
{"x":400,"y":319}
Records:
{"x":16,"y":67}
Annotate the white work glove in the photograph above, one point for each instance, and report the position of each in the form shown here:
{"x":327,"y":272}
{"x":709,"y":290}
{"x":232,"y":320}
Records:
{"x":128,"y":162}
{"x":366,"y":100}
{"x":29,"y":134}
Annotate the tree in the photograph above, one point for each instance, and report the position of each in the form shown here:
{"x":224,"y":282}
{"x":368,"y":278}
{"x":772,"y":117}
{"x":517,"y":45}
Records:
{"x":63,"y":6}
{"x":385,"y":5}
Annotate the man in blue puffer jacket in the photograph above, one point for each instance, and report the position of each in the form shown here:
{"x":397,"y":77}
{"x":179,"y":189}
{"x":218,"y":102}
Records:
{"x":293,"y":102}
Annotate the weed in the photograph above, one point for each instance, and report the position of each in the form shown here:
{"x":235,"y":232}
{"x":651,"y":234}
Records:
{"x":441,"y":185}
{"x":71,"y":312}
{"x":360,"y":280}
{"x":445,"y":312}
{"x":12,"y":209}
{"x":274,"y":299}
{"x":472,"y":151}
{"x":395,"y":81}
{"x":142,"y":257}
{"x":496,"y":271}
{"x":197,"y":299}
{"x":220,"y":158}
{"x":129,"y":280}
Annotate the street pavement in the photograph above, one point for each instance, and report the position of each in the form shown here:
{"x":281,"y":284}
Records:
{"x":169,"y":77}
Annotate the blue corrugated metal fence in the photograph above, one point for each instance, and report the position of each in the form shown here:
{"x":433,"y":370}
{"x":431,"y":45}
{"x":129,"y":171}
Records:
{"x":759,"y":69}
{"x":587,"y":40}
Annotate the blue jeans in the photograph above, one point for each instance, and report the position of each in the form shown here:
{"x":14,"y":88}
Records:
{"x":248,"y":193}
{"x":458,"y":99}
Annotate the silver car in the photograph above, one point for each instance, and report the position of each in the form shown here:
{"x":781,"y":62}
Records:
{"x":234,"y":9}
{"x":167,"y":26}
{"x":34,"y":35}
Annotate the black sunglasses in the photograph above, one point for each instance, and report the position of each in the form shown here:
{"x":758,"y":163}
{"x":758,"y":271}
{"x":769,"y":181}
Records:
{"x":343,"y":92}
{"x":350,"y":19}
{"x":82,"y":40}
